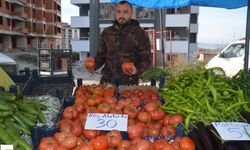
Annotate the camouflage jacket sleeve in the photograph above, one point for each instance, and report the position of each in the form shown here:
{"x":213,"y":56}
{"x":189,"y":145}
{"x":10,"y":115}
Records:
{"x":101,"y":52}
{"x":144,"y":52}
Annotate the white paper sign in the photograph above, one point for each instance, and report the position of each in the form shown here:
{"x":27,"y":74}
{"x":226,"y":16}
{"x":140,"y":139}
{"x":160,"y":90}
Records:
{"x":108,"y":122}
{"x":6,"y":147}
{"x":233,"y":131}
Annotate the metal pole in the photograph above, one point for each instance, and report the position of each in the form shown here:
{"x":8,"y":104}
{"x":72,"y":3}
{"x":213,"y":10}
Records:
{"x":162,"y":38}
{"x":246,"y":59}
{"x":94,"y":25}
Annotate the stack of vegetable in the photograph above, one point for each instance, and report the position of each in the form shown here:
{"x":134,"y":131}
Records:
{"x":17,"y":116}
{"x":204,"y":96}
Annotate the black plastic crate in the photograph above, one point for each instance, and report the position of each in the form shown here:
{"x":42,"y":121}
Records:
{"x":39,"y":132}
{"x":49,"y":85}
{"x":22,"y":78}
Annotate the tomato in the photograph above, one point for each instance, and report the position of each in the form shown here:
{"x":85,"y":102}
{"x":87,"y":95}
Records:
{"x":159,"y":144}
{"x":175,"y":119}
{"x":48,"y":143}
{"x":168,"y":147}
{"x":124,"y":145}
{"x":79,"y":107}
{"x":187,"y":144}
{"x":110,"y":100}
{"x":157,"y":114}
{"x":100,"y":143}
{"x":151,"y":106}
{"x":153,"y":132}
{"x":86,"y":146}
{"x":89,"y":134}
{"x":91,"y":102}
{"x":135,"y":131}
{"x":66,"y":139}
{"x":131,"y":111}
{"x":89,"y":63}
{"x":167,"y":131}
{"x":60,"y":147}
{"x":104,"y":107}
{"x":65,"y":125}
{"x":144,"y":117}
{"x":166,"y":120}
{"x":109,"y":91}
{"x":114,"y":138}
{"x":140,"y":144}
{"x":70,"y":113}
{"x":77,"y":128}
{"x":127,"y":66}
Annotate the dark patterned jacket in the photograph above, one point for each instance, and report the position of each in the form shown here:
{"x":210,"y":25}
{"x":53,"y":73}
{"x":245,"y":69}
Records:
{"x":119,"y":44}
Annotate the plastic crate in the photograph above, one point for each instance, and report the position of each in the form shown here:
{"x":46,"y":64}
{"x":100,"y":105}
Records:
{"x":38,"y":132}
{"x":49,"y":85}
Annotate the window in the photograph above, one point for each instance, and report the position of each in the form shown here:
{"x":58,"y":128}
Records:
{"x":44,"y":2}
{"x":44,"y":27}
{"x":28,"y":41}
{"x":145,"y":13}
{"x":34,"y":27}
{"x":34,"y":13}
{"x":0,"y":3}
{"x":8,"y":22}
{"x":107,"y":11}
{"x":44,"y":14}
{"x":235,"y":50}
{"x":1,"y":20}
{"x":7,"y":5}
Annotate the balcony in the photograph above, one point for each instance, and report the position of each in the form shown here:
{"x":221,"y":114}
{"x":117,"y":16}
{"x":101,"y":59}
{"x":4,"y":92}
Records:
{"x":194,"y":9}
{"x":18,"y":2}
{"x":79,"y":2}
{"x":178,"y":46}
{"x":81,"y":44}
{"x":20,"y":14}
{"x":193,"y":28}
{"x":177,"y":20}
{"x":80,"y":22}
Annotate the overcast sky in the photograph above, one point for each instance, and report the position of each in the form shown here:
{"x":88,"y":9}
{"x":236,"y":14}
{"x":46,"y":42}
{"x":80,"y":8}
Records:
{"x":216,"y":25}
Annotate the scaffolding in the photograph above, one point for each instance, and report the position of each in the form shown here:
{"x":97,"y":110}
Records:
{"x":155,"y":37}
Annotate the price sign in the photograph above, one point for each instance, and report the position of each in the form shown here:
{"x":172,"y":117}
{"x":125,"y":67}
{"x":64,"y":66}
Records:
{"x":6,"y":147}
{"x":233,"y":131}
{"x":108,"y":122}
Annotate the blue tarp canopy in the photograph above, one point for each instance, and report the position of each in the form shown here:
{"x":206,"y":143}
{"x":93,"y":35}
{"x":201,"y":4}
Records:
{"x":229,"y":4}
{"x":180,"y":3}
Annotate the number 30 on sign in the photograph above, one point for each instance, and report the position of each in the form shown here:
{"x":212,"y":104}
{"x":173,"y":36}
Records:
{"x":108,"y":122}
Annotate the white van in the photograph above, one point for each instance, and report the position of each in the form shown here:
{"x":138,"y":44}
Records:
{"x":8,"y":64}
{"x":230,"y":59}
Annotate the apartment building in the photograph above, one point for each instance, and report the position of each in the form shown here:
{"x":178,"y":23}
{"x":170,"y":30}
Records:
{"x":28,"y":24}
{"x":68,"y":34}
{"x":180,"y":45}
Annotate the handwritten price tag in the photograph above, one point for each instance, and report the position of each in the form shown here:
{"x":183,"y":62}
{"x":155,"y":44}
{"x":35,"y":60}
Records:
{"x":108,"y":122}
{"x":6,"y":147}
{"x":233,"y":131}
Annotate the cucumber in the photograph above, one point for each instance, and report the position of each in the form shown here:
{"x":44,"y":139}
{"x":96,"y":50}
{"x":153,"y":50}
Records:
{"x":26,"y":108}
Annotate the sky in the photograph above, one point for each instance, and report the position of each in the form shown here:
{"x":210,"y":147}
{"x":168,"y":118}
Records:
{"x":217,"y":26}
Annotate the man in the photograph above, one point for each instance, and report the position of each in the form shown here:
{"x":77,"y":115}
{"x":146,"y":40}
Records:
{"x":124,"y":41}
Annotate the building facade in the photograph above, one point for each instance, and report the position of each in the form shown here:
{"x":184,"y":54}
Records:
{"x":28,"y":24}
{"x":181,"y":22}
{"x":68,"y":34}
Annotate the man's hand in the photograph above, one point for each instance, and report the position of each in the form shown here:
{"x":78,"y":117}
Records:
{"x":129,"y":68}
{"x":90,"y":64}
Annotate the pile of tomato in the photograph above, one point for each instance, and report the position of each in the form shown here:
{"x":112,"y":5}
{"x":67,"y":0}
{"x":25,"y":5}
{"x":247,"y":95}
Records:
{"x":149,"y":127}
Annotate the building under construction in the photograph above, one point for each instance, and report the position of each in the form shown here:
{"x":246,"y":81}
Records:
{"x":29,"y":24}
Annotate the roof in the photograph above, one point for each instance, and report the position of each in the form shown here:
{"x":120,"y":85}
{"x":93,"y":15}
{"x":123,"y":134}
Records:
{"x":6,"y":59}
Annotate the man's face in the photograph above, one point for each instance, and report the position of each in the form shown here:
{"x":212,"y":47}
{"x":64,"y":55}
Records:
{"x":123,"y":13}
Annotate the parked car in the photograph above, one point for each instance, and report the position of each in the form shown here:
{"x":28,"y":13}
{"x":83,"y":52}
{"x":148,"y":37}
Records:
{"x":8,"y":64}
{"x":230,"y":59}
